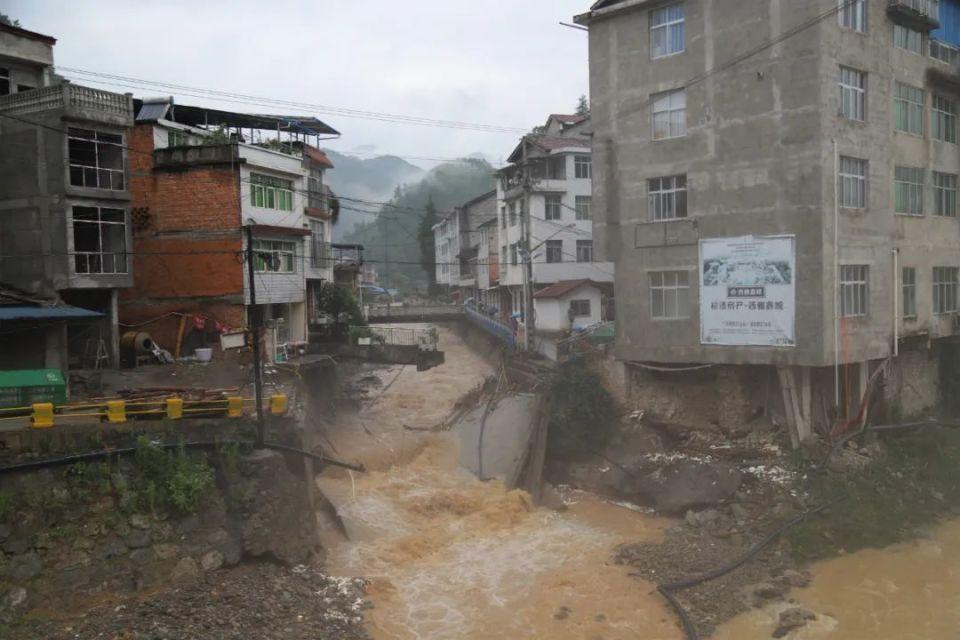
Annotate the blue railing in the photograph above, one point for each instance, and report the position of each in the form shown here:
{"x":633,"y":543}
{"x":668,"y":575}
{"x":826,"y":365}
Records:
{"x":492,"y":326}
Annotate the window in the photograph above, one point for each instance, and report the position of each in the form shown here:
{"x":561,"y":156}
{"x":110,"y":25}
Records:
{"x":669,"y":114}
{"x":95,"y":158}
{"x":666,"y":31}
{"x":579,"y":308}
{"x":557,"y":168}
{"x":513,"y":214}
{"x":945,"y":289}
{"x":853,"y":183}
{"x":909,"y":287}
{"x":908,"y":109}
{"x":274,"y":256}
{"x":503,"y":217}
{"x":667,"y":198}
{"x":99,"y":240}
{"x":582,"y":167}
{"x":908,"y":39}
{"x":503,"y":254}
{"x":944,"y":52}
{"x":670,"y":294}
{"x":553,"y":206}
{"x":584,"y":250}
{"x":177,"y":139}
{"x":908,"y":190}
{"x":853,"y":94}
{"x":853,"y":15}
{"x":318,"y":254}
{"x":268,"y":192}
{"x":944,"y":121}
{"x":584,"y":206}
{"x":554,"y":251}
{"x":945,"y":194}
{"x":513,"y":254}
{"x":4,"y":81}
{"x":854,"y":290}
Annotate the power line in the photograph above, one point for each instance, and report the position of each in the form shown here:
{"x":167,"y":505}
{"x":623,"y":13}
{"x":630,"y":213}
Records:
{"x":106,"y":78}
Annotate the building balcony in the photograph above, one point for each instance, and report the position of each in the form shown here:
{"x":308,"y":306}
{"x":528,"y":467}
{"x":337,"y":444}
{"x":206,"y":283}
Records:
{"x":920,"y":15}
{"x":347,"y":256}
{"x":75,"y":101}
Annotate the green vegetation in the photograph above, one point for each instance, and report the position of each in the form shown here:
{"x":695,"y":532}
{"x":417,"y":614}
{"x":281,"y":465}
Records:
{"x":917,"y":482}
{"x":427,"y":249}
{"x":583,"y":411}
{"x":5,"y":19}
{"x":170,"y":480}
{"x":6,"y":506}
{"x":339,"y":302}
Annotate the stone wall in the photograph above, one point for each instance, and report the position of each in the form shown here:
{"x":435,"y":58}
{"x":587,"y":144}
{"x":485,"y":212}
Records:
{"x":912,"y":387}
{"x":63,"y":543}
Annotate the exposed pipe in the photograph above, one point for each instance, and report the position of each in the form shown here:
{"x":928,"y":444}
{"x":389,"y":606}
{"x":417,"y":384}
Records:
{"x":836,"y":273}
{"x":896,"y":302}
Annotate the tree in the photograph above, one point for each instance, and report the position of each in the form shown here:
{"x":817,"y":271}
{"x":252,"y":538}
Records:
{"x":5,"y":19}
{"x":427,"y":250}
{"x":583,"y":106}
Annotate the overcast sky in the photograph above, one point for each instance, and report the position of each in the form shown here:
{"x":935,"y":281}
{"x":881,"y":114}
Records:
{"x":503,"y":62}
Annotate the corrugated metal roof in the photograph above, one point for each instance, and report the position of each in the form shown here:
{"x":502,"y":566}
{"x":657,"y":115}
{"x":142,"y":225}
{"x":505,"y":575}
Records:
{"x":63,"y":312}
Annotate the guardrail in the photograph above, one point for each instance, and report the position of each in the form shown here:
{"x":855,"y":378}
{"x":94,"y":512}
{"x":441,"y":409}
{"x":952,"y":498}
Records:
{"x":45,"y":415}
{"x":425,"y":339}
{"x":67,"y":95}
{"x":492,"y":326}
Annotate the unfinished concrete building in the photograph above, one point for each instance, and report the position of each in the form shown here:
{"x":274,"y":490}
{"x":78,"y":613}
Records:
{"x":776,"y":182}
{"x":64,"y":201}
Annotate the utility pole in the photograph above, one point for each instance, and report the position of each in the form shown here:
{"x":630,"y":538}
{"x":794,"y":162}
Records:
{"x":255,"y":328}
{"x":528,"y":316}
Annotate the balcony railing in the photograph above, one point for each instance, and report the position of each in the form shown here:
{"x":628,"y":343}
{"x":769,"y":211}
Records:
{"x":347,"y":255}
{"x":68,"y":96}
{"x":321,"y":255}
{"x":921,"y":15}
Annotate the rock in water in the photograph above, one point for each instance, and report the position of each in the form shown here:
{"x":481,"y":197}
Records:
{"x":688,"y":484}
{"x":793,"y":619}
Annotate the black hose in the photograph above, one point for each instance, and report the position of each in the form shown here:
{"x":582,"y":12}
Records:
{"x":33,"y":465}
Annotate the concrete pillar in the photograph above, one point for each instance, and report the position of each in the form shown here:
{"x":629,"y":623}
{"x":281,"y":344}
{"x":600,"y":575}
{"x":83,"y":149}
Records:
{"x":114,"y":328}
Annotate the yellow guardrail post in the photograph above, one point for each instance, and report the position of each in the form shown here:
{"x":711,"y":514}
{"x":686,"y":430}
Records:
{"x":234,"y":407}
{"x":278,"y":404}
{"x":116,"y":411}
{"x":42,"y":417}
{"x":174,"y":408}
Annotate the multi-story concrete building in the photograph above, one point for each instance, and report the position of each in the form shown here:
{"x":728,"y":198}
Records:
{"x":201,"y":183}
{"x":466,"y":221}
{"x":545,"y":205}
{"x":776,"y":182}
{"x":64,"y":194}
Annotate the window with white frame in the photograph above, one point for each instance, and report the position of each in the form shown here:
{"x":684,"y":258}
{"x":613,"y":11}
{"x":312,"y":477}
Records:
{"x":667,"y":31}
{"x":908,"y":39}
{"x":319,"y":257}
{"x":4,"y":81}
{"x":268,"y":192}
{"x":95,"y":159}
{"x":853,"y":94}
{"x":274,"y":256}
{"x":908,"y":190}
{"x":177,"y":138}
{"x":99,"y":240}
{"x":945,"y":194}
{"x":582,"y":167}
{"x":945,"y":281}
{"x":579,"y":308}
{"x":670,"y":295}
{"x":909,"y":291}
{"x":854,"y":290}
{"x":554,"y":251}
{"x":908,"y":109}
{"x":584,"y":250}
{"x":943,"y":124}
{"x":513,"y":254}
{"x":584,"y":207}
{"x":669,"y":114}
{"x":853,"y":183}
{"x":553,"y":206}
{"x":853,"y":14}
{"x":944,"y":52}
{"x":667,"y":198}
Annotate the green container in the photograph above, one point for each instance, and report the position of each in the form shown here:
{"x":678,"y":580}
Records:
{"x":24,"y":387}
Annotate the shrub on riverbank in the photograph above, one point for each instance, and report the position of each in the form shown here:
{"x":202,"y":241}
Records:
{"x":583,"y":412}
{"x":916,"y":483}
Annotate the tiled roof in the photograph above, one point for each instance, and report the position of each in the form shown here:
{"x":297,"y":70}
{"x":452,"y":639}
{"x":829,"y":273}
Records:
{"x":550,"y":143}
{"x":33,"y":35}
{"x":562,"y":288}
{"x":567,"y":118}
{"x":317,"y":156}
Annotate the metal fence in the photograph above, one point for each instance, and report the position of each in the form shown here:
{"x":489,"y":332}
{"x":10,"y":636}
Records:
{"x":425,"y":339}
{"x":492,"y":326}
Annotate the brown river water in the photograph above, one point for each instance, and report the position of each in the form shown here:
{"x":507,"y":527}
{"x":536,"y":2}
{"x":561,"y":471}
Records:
{"x":450,"y":557}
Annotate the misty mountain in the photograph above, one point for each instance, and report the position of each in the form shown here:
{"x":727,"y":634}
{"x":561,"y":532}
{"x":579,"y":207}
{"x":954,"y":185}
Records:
{"x":374,"y":179}
{"x":391,"y":238}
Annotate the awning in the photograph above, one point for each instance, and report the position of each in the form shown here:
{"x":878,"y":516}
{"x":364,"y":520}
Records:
{"x":61,"y":312}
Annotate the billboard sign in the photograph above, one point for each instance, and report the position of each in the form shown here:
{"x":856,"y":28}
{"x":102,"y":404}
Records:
{"x":747,"y":291}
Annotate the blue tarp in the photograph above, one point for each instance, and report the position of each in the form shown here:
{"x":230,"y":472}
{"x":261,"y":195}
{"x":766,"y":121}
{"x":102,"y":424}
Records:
{"x":949,"y":30}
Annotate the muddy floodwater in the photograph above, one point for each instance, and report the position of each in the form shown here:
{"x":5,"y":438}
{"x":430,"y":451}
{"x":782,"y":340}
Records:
{"x":907,"y":591}
{"x":449,"y":556}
